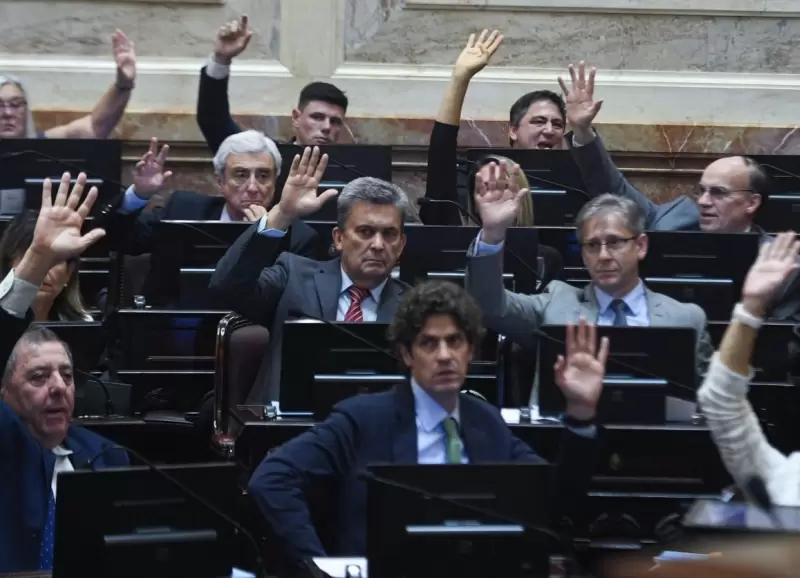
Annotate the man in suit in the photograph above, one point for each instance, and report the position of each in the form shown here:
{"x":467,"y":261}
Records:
{"x":255,"y":279}
{"x":318,"y":119}
{"x":611,"y":233}
{"x":425,"y":421}
{"x":726,"y":199}
{"x":37,"y":393}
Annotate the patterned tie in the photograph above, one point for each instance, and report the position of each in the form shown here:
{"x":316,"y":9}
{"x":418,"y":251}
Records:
{"x":354,"y":313}
{"x":48,"y":535}
{"x":620,"y":309}
{"x":453,"y":440}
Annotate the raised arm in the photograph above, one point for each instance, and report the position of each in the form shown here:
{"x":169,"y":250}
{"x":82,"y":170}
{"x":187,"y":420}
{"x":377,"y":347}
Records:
{"x":723,"y":397}
{"x":109,"y":110}
{"x":442,"y":179}
{"x":213,"y":105}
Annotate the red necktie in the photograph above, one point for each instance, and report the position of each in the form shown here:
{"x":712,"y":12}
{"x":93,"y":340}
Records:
{"x":354,"y":313}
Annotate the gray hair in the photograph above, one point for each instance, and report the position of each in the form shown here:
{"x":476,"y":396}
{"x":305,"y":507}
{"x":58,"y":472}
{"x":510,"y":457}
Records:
{"x":35,"y":335}
{"x":605,"y":204}
{"x":370,"y":190}
{"x":30,"y":128}
{"x":243,"y":143}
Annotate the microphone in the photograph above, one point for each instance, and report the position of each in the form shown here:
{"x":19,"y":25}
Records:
{"x":109,"y":403}
{"x":261,"y":569}
{"x":757,"y":490}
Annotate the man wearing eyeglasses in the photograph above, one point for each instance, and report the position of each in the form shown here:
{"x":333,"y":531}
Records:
{"x":725,"y":200}
{"x":611,"y":233}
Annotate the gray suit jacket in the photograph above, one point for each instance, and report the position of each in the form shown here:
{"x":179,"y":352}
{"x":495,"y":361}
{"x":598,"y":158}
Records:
{"x":516,"y":315}
{"x":602,"y":176}
{"x":255,"y":281}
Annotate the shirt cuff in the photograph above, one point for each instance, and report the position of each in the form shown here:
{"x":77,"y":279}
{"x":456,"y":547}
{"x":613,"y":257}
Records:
{"x":132,"y":202}
{"x":16,"y":295}
{"x":482,"y":248}
{"x":262,"y":229}
{"x":216,"y":70}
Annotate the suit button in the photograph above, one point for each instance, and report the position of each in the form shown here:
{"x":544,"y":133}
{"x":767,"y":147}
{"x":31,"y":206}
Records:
{"x":35,"y":534}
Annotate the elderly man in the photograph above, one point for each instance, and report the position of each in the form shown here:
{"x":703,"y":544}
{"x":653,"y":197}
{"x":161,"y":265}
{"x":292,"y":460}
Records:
{"x":37,"y":393}
{"x":255,"y":279}
{"x":726,"y":199}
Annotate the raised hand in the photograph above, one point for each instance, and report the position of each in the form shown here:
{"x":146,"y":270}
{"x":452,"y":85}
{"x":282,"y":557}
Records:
{"x":149,"y":175}
{"x":299,"y":196}
{"x":125,"y":57}
{"x":232,"y":39}
{"x":58,"y":228}
{"x":582,"y":108}
{"x":579,"y":374}
{"x":477,"y":53}
{"x":254,"y":212}
{"x":498,"y":196}
{"x":775,"y":262}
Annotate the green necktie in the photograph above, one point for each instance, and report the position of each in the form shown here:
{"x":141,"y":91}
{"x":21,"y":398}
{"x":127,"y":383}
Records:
{"x":453,"y":440}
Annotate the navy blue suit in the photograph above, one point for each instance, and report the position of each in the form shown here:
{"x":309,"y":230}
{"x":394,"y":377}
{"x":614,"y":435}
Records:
{"x":382,"y":427}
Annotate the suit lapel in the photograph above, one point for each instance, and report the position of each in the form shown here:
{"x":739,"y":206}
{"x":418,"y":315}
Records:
{"x":80,"y":458}
{"x":404,"y":442}
{"x":328,"y":283}
{"x":390,"y":298}
{"x":213,"y":210}
{"x":588,"y":309}
{"x":476,"y":443}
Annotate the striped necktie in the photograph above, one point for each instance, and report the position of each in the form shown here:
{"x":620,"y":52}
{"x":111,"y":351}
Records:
{"x":354,"y":313}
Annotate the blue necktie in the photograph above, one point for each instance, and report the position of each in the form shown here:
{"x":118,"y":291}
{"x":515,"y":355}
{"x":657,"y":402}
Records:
{"x":48,"y":535}
{"x":620,"y":309}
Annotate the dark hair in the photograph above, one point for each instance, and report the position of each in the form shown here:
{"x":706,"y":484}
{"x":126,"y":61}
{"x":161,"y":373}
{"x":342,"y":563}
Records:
{"x":435,"y":298}
{"x":18,"y":236}
{"x":757,"y":178}
{"x":35,"y":335}
{"x":524,"y":102}
{"x":324,"y":92}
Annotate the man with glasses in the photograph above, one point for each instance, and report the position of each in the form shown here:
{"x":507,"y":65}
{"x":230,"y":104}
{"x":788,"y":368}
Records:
{"x":725,"y":200}
{"x":611,"y":233}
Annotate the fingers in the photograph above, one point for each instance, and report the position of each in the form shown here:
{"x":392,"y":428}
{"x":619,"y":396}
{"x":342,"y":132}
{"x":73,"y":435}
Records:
{"x":313,"y":162}
{"x":327,"y":196}
{"x":559,"y":365}
{"x":570,"y":342}
{"x":63,"y":190}
{"x":482,"y":38}
{"x":77,"y":192}
{"x":573,"y":76}
{"x":582,"y":73}
{"x":302,"y":168}
{"x":153,"y":148}
{"x":605,"y":347}
{"x":470,"y":41}
{"x":564,"y":89}
{"x":243,"y":22}
{"x":89,"y":239}
{"x":590,"y":82}
{"x":161,"y":159}
{"x":320,"y":169}
{"x":249,"y":215}
{"x":88,"y":203}
{"x":47,"y":194}
{"x":494,"y":42}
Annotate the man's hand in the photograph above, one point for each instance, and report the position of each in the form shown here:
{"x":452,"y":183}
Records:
{"x":775,"y":262}
{"x":299,"y":196}
{"x":125,"y":57}
{"x":580,"y":374}
{"x":148,"y":174}
{"x":254,"y":212}
{"x":232,"y":39}
{"x":498,"y":198}
{"x":582,"y":108}
{"x":477,"y":53}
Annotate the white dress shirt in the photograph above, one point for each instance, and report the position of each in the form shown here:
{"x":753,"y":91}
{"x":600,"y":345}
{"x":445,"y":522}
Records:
{"x":63,"y":464}
{"x":369,"y":306}
{"x":16,"y":295}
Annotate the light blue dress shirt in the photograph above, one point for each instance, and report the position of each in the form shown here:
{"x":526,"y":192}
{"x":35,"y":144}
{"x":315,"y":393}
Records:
{"x":431,"y":437}
{"x":636,"y":300}
{"x":132,"y":202}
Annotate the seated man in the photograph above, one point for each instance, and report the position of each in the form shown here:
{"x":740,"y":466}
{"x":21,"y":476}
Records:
{"x":37,"y":393}
{"x":610,"y":230}
{"x":425,"y":420}
{"x":318,"y":119}
{"x":744,"y":448}
{"x":256,"y":279}
{"x":726,"y":199}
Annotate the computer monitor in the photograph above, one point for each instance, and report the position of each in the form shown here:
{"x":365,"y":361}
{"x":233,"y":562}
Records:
{"x":86,"y":340}
{"x":412,"y":533}
{"x":557,"y":188}
{"x":133,"y":521}
{"x":771,"y":360}
{"x":639,"y":372}
{"x":336,"y":365}
{"x":167,"y":340}
{"x":346,"y":163}
{"x":25,"y":163}
{"x":324,"y":229}
{"x":781,"y":209}
{"x":440,"y":252}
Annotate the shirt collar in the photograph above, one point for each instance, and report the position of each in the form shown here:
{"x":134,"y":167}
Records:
{"x":375,"y":292}
{"x":225,"y":217}
{"x":430,"y":414}
{"x":61,"y":451}
{"x":635,"y":299}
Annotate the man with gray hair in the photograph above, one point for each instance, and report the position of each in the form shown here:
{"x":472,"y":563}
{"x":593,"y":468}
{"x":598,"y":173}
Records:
{"x":256,"y":279}
{"x":611,"y":234}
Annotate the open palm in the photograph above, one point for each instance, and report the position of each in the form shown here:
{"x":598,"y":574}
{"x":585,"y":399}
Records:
{"x":582,"y":108}
{"x":477,"y":53}
{"x":498,"y":195}
{"x":775,"y":262}
{"x":124,"y":56}
{"x":580,"y":372}
{"x":299,"y":196}
{"x":149,"y":175}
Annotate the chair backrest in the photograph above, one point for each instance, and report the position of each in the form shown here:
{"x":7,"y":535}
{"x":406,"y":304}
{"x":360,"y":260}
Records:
{"x":241,"y":349}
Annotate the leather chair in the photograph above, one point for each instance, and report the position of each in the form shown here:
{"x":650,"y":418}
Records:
{"x":241,"y":346}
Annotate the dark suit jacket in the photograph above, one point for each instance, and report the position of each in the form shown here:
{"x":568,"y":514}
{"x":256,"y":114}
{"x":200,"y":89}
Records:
{"x":258,"y":281}
{"x":26,"y":470}
{"x":214,"y":111}
{"x":382,"y":428}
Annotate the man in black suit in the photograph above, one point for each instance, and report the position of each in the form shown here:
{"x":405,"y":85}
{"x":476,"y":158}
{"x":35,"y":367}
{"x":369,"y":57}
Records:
{"x":255,"y":279}
{"x":318,"y":118}
{"x":425,"y":421}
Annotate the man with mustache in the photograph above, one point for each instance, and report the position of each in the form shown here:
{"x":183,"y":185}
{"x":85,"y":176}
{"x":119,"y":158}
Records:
{"x":726,"y":199}
{"x":612,"y":237}
{"x":257,"y":280}
{"x":318,"y":119}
